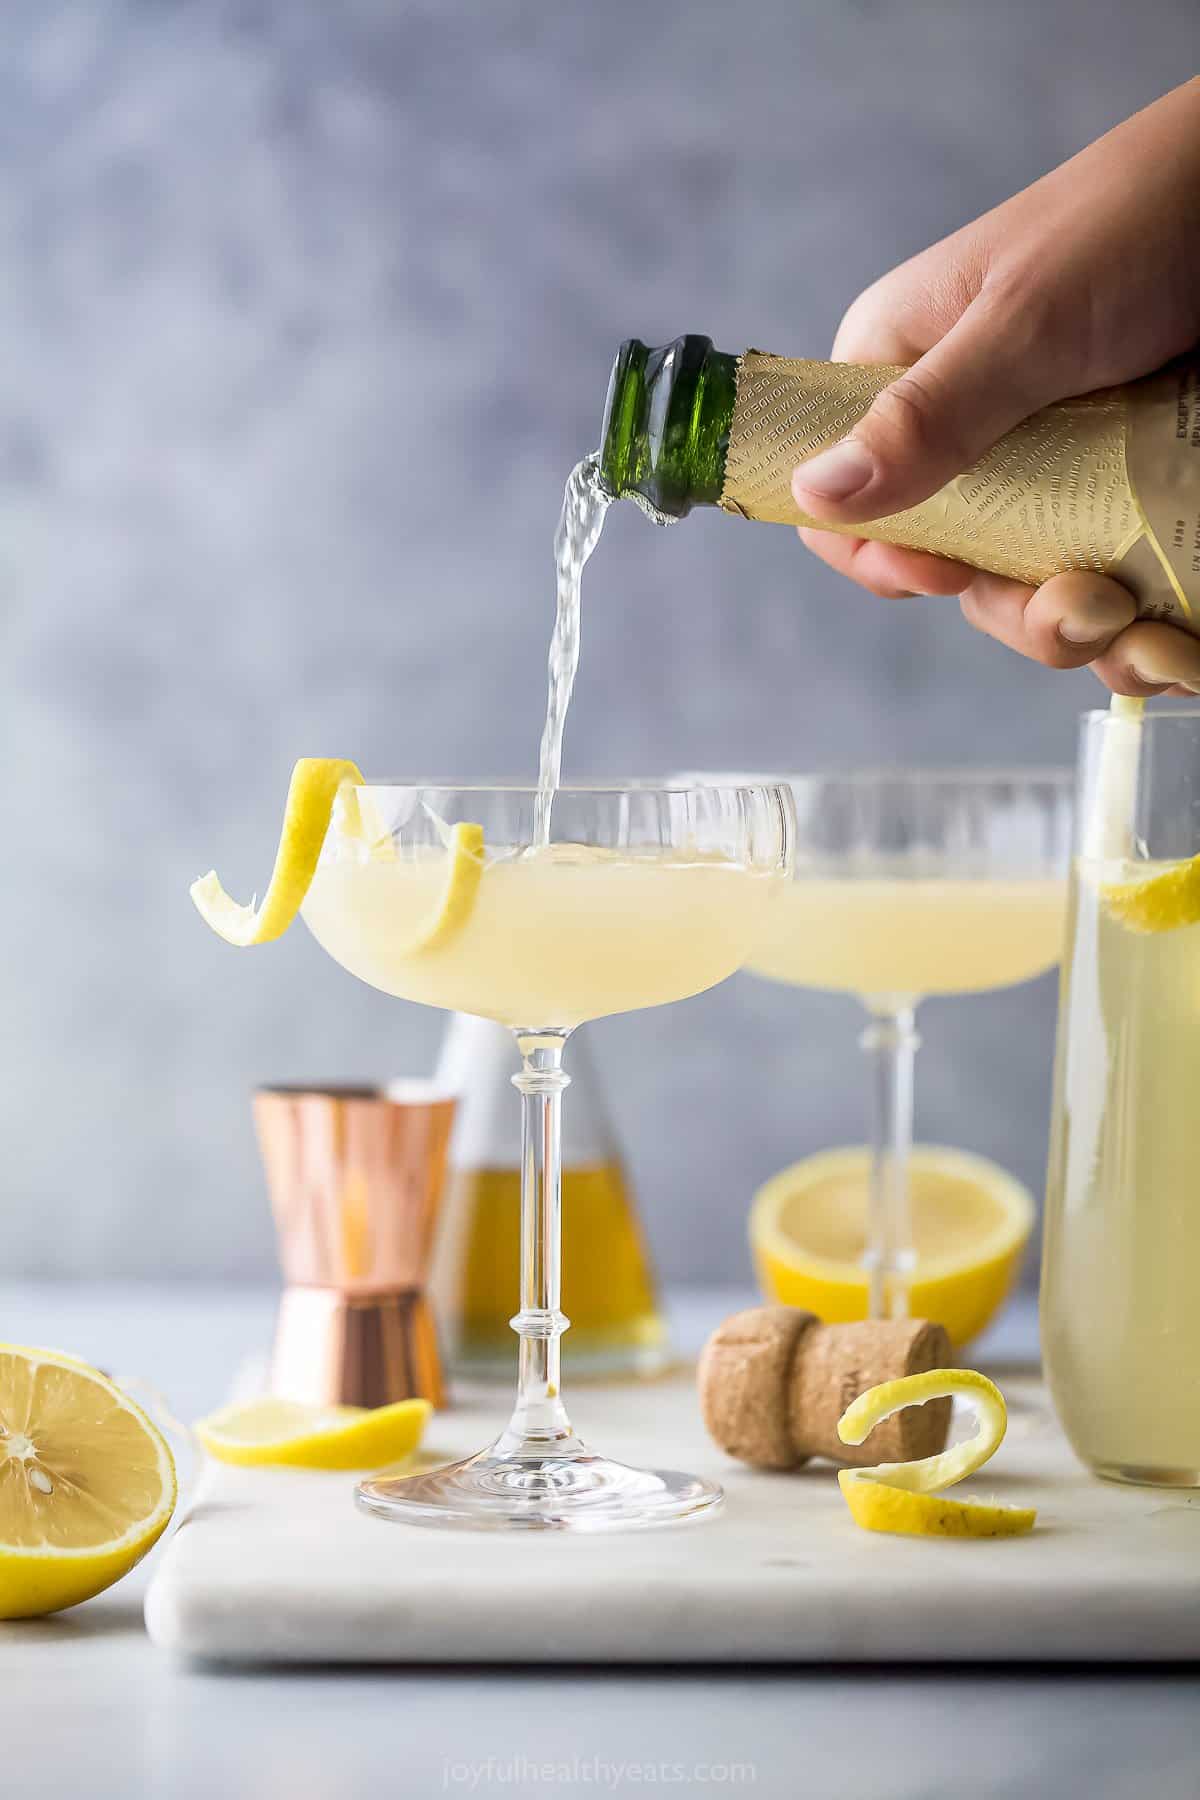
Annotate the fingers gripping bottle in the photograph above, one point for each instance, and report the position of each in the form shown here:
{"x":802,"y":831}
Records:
{"x":1109,"y":481}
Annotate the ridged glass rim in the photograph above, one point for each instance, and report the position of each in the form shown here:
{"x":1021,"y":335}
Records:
{"x":1180,"y":713}
{"x":590,"y":788}
{"x":981,"y":774}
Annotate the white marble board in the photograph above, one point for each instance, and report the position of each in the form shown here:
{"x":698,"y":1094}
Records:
{"x":275,"y":1566}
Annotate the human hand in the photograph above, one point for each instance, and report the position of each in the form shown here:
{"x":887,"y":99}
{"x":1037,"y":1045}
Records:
{"x":1087,"y":278}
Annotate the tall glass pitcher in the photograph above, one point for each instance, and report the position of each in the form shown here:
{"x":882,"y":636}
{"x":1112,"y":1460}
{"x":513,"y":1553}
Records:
{"x":1121,"y":1280}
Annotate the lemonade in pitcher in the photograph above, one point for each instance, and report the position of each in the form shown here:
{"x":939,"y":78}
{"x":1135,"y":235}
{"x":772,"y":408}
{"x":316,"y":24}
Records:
{"x":1120,"y":1312}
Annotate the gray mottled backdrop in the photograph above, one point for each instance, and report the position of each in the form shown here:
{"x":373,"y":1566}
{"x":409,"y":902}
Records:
{"x":305,"y":311}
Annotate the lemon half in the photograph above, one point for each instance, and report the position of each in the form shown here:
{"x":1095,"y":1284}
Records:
{"x":87,"y":1484}
{"x":971,"y":1221}
{"x":286,"y":1434}
{"x":319,"y":785}
{"x":903,"y":1497}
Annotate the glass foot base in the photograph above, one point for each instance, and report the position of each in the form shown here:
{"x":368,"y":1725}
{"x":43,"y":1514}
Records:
{"x":1134,"y":1475}
{"x":499,"y":1491}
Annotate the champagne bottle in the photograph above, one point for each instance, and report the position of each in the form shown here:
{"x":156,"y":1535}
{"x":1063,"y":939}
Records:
{"x":1109,"y":481}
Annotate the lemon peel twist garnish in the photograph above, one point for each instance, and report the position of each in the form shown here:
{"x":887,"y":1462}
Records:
{"x":314,"y":788}
{"x":457,"y":901}
{"x":1151,"y":903}
{"x":903,"y":1497}
{"x":319,"y":785}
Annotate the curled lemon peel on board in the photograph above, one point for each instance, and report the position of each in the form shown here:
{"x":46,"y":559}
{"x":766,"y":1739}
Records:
{"x":325,"y":790}
{"x":904,"y":1497}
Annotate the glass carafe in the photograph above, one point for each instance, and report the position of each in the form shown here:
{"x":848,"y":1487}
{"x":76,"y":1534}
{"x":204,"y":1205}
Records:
{"x":609,"y":1291}
{"x":1121,"y":1278}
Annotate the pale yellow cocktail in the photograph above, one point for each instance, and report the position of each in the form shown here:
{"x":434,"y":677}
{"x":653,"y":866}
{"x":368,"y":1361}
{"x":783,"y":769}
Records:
{"x":914,"y":937}
{"x":557,"y":934}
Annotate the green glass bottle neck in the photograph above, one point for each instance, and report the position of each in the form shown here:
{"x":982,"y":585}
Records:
{"x":666,"y":423}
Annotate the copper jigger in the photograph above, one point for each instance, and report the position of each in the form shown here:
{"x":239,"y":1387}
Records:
{"x":355,"y":1179}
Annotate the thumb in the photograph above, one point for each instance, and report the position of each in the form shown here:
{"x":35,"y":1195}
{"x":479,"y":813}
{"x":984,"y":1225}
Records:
{"x":929,"y":425}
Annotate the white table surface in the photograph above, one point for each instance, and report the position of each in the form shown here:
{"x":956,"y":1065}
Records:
{"x":87,"y":1706}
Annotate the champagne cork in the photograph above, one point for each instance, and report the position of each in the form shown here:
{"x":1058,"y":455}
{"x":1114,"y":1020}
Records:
{"x":774,"y":1381}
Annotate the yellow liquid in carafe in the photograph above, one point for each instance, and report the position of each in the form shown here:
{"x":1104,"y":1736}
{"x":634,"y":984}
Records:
{"x":608,"y":1291}
{"x":1120,"y":1315}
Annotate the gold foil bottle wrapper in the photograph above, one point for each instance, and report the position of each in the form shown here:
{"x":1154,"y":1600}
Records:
{"x":1109,"y":481}
{"x":1163,"y":457}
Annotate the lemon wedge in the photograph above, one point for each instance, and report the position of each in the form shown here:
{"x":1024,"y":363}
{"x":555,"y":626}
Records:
{"x":1148,"y":903}
{"x":286,"y":1434}
{"x":87,"y":1484}
{"x":903,"y":1497}
{"x":1160,"y":902}
{"x":312,"y":791}
{"x":971,"y":1221}
{"x":319,"y":785}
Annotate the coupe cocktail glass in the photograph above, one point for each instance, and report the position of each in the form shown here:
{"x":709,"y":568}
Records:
{"x":907,"y":884}
{"x":642,"y":895}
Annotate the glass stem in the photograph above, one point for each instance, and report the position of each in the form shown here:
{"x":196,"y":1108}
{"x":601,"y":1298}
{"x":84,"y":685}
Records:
{"x":539,"y":1421}
{"x":891,"y":1043}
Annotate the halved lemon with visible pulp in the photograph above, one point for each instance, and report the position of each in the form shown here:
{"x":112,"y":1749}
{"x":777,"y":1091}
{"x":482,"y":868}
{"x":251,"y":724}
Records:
{"x":87,"y":1484}
{"x":971,"y":1222}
